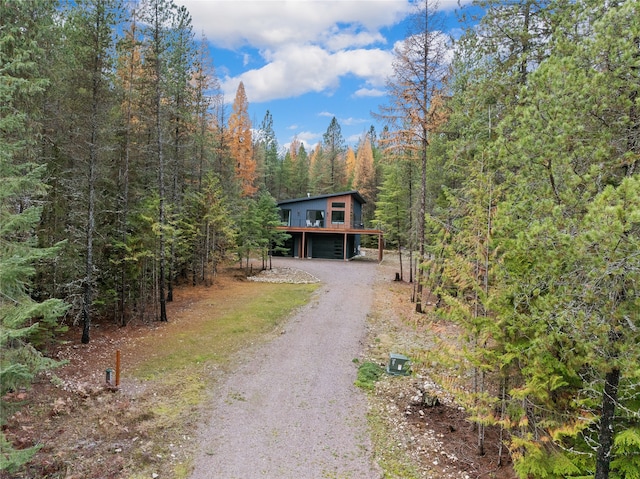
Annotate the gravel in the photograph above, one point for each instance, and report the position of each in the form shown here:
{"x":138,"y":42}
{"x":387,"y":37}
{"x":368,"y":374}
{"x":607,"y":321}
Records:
{"x":290,"y":409}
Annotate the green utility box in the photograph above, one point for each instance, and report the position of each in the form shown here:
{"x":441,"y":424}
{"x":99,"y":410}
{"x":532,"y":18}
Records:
{"x":399,"y":365}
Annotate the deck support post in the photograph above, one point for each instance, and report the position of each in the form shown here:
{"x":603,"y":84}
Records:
{"x":344,"y":247}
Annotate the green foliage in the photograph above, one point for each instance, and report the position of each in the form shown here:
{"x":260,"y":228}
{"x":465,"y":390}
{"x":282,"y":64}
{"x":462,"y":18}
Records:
{"x":627,"y":449}
{"x":533,"y":236}
{"x":19,"y":364}
{"x":23,"y":320}
{"x":368,"y":374}
{"x":257,"y":221}
{"x":21,"y":190}
{"x":12,"y":459}
{"x":393,"y":205}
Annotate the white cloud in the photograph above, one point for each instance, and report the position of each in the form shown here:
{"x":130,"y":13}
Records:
{"x":369,"y":92}
{"x":305,"y":45}
{"x":269,"y":24}
{"x":342,"y":40}
{"x":307,"y":138}
{"x":354,"y":139}
{"x":298,"y":69}
{"x":302,"y":46}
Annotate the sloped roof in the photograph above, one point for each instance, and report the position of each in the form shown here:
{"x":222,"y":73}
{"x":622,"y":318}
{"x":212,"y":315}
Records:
{"x":353,"y":193}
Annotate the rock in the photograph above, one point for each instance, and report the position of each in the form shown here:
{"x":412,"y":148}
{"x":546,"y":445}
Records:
{"x":430,"y":400}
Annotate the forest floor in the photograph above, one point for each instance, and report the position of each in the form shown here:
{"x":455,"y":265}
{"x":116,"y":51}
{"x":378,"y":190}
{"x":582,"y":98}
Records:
{"x":145,"y":428}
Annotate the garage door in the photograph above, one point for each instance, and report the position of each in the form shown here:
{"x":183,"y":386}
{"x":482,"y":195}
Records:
{"x":327,"y":246}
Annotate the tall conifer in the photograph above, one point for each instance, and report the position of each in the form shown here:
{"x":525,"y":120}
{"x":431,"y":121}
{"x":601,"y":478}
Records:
{"x":22,"y":319}
{"x":241,"y":144}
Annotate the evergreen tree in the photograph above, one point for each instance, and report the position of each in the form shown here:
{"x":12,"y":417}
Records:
{"x":129,"y":168}
{"x":576,"y":166}
{"x":392,"y":209}
{"x":286,"y":177}
{"x":22,"y":319}
{"x":333,"y":148}
{"x":217,"y":231}
{"x":319,"y":172}
{"x":529,"y":157}
{"x":300,"y":169}
{"x":414,"y":111}
{"x":181,"y":62}
{"x":268,"y":146}
{"x":269,"y":238}
{"x":90,"y":39}
{"x":157,"y":16}
{"x":249,"y":231}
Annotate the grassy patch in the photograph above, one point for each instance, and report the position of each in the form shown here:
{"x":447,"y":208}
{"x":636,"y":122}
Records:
{"x":223,"y":326}
{"x":177,"y":363}
{"x":368,"y":374}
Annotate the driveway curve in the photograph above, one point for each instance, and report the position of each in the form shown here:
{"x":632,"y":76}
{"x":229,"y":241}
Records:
{"x":290,"y":409}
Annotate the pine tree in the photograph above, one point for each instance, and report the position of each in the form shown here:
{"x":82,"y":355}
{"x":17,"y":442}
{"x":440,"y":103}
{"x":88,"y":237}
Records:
{"x":286,"y":178}
{"x":319,"y":172}
{"x":158,"y":15}
{"x":414,"y":112}
{"x":89,"y":34}
{"x":22,"y":319}
{"x":300,"y":169}
{"x":333,"y":148}
{"x":180,"y":92}
{"x":269,"y":238}
{"x":392,"y":209}
{"x":128,"y":74}
{"x":249,"y":231}
{"x":561,"y":292}
{"x":267,"y":144}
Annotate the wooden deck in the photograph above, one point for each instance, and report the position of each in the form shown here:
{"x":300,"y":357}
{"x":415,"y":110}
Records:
{"x":345,"y":230}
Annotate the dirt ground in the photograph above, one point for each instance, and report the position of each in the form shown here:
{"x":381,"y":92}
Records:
{"x":88,"y":431}
{"x":438,"y":440}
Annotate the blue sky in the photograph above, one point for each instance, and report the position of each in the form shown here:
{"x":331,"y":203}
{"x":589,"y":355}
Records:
{"x":306,"y":61}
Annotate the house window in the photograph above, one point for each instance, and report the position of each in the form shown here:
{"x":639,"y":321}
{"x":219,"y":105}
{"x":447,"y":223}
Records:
{"x":337,"y":216}
{"x":337,"y":212}
{"x":285,"y":217}
{"x":315,"y":218}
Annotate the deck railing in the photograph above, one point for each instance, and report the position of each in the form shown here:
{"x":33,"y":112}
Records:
{"x":324,"y":224}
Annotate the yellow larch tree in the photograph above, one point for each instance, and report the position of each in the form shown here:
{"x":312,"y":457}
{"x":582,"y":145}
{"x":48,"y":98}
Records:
{"x":350,"y":166}
{"x":364,"y":179}
{"x":240,"y":143}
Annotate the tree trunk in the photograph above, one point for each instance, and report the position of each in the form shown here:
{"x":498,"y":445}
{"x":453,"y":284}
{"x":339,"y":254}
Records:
{"x":421,"y":217}
{"x":91,"y":187}
{"x":160,"y":157}
{"x":410,"y":209}
{"x":605,"y":436}
{"x":401,"y":278}
{"x":124,"y":214}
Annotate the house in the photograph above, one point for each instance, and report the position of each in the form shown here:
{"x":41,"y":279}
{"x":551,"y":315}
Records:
{"x":326,"y":226}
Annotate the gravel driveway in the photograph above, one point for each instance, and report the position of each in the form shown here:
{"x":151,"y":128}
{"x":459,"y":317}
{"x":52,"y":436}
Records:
{"x":290,"y":409}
